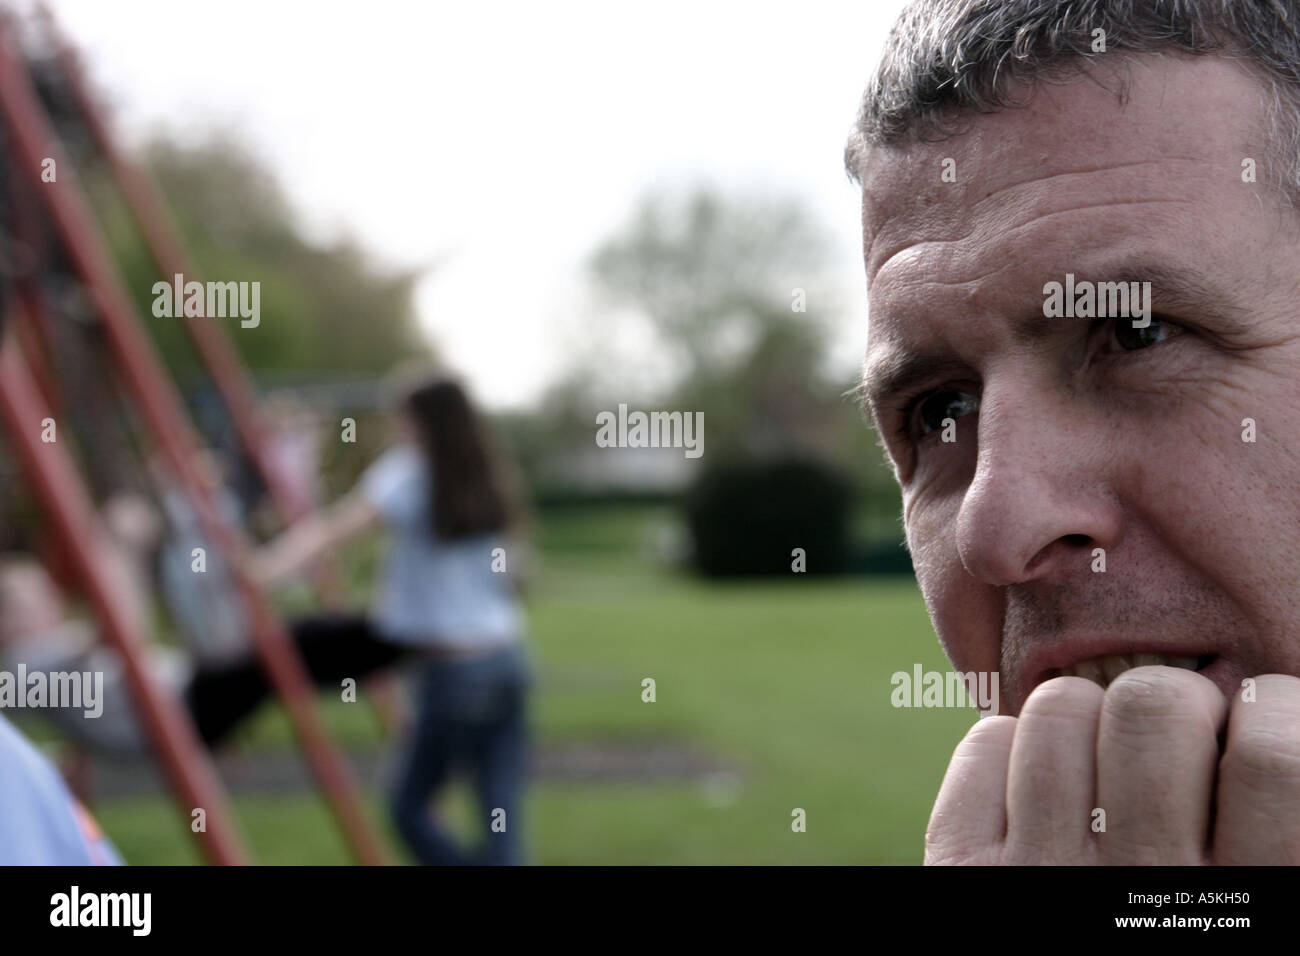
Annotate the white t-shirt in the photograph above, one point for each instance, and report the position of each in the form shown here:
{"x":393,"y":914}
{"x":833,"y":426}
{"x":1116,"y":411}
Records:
{"x":434,"y":592}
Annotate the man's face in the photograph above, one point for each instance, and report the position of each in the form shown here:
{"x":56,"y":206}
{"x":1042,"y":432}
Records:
{"x":1078,"y":434}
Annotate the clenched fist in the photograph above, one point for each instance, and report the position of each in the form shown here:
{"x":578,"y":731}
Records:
{"x":1183,"y":777}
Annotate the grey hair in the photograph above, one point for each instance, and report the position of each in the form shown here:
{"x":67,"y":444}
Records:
{"x":947,"y":59}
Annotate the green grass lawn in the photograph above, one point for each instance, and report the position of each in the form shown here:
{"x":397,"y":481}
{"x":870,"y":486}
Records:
{"x":784,"y":682}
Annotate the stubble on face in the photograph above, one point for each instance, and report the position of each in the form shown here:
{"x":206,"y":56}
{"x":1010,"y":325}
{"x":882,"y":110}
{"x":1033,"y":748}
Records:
{"x":1141,"y":456}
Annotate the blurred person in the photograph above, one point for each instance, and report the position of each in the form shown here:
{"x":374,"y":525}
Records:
{"x":41,"y":822}
{"x":39,"y":634}
{"x":204,"y":605}
{"x":134,"y":528}
{"x":1088,"y":508}
{"x":445,"y":598}
{"x":293,"y":446}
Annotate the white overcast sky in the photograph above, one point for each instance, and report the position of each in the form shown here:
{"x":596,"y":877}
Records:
{"x":502,"y":140}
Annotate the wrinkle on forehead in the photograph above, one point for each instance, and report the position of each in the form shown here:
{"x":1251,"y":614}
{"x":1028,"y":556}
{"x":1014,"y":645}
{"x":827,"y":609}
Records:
{"x":954,"y":213}
{"x":1000,"y":232}
{"x":1057,"y":144}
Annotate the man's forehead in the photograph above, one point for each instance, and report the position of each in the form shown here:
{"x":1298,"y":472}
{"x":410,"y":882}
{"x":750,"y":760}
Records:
{"x":1184,"y":119}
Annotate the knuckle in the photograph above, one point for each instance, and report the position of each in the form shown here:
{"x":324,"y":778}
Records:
{"x":1147,"y":693}
{"x":990,"y":729}
{"x":1282,"y":691}
{"x":1265,"y":753}
{"x":1064,"y":697}
{"x":986,"y":738}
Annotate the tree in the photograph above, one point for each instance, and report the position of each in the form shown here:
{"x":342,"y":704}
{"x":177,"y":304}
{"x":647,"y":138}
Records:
{"x":325,"y":308}
{"x":740,"y":294}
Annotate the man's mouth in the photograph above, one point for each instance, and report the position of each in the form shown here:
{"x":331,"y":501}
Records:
{"x":1105,"y":668}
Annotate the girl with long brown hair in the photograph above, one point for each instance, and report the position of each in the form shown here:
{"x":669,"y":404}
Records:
{"x":445,"y":597}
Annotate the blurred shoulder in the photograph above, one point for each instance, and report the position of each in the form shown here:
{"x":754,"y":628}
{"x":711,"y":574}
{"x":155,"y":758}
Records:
{"x":40,"y":822}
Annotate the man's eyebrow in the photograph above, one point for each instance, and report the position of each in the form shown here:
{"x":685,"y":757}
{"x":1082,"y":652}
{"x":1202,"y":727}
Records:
{"x":1172,"y":289}
{"x":1176,"y":289}
{"x":901,"y":370}
{"x":1172,"y":281}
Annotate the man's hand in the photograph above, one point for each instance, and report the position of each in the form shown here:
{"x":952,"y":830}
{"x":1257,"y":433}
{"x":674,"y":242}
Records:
{"x":1025,"y":790}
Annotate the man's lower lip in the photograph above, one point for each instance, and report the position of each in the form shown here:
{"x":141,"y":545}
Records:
{"x":1224,"y":674}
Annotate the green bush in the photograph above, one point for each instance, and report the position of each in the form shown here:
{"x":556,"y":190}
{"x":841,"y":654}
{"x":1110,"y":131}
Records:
{"x":747,"y":519}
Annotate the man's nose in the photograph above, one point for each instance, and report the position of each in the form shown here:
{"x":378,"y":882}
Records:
{"x":1041,"y":497}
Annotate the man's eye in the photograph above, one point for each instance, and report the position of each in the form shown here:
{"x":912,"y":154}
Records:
{"x":935,"y":407}
{"x":1127,"y":337}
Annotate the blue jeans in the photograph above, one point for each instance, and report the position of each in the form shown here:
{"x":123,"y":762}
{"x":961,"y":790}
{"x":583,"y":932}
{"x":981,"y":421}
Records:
{"x":471,"y":715}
